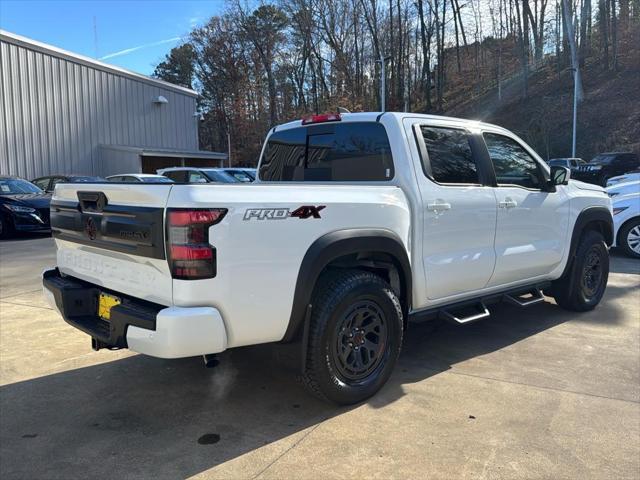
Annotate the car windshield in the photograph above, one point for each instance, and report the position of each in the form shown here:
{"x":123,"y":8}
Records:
{"x":220,"y":176}
{"x":16,"y":186}
{"x":158,"y":179}
{"x":601,"y":159}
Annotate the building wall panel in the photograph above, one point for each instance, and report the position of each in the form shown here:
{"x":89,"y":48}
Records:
{"x":56,"y":112}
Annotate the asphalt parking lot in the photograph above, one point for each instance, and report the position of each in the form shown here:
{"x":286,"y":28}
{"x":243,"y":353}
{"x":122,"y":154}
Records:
{"x":537,"y":393}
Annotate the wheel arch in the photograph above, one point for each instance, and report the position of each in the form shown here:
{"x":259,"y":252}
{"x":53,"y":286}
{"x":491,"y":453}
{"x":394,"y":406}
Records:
{"x":591,"y":218}
{"x":347,"y":246}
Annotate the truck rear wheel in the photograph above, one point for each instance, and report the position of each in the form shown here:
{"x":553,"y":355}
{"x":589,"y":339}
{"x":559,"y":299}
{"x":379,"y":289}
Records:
{"x":581,"y":288}
{"x":355,"y":336}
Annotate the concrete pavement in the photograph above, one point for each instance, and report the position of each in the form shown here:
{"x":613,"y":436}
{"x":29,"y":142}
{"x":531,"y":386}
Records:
{"x":537,"y":393}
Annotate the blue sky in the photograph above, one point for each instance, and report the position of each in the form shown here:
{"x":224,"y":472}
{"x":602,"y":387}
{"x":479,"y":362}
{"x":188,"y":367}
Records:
{"x":131,"y":34}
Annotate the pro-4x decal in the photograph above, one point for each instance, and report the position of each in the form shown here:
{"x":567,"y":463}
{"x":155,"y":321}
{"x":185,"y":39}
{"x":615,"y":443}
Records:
{"x":305,"y":211}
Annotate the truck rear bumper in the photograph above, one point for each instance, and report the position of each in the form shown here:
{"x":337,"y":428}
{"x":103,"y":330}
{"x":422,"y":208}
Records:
{"x":152,"y":329}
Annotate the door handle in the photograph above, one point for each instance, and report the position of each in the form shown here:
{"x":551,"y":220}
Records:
{"x":438,"y":205}
{"x":508,"y":203}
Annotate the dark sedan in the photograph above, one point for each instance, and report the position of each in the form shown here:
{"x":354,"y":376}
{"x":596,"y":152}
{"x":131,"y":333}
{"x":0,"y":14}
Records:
{"x":23,"y":207}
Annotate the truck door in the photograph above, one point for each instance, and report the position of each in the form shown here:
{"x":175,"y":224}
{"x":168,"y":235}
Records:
{"x":533,"y":222}
{"x":458,"y":211}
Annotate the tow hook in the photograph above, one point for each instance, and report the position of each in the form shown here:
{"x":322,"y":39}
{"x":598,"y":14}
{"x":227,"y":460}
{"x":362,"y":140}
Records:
{"x":210,"y":360}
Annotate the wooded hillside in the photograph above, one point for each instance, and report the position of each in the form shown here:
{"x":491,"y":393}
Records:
{"x":503,"y":61}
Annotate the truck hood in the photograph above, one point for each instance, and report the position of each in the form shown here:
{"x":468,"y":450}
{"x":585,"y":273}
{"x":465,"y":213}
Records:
{"x":586,"y":186}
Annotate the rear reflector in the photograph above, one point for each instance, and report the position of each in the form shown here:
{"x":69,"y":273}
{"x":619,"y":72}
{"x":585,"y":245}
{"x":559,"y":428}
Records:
{"x":191,"y":256}
{"x":325,"y":117}
{"x":191,"y":252}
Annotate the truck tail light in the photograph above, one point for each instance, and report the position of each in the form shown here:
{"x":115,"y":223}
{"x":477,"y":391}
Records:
{"x":191,"y":256}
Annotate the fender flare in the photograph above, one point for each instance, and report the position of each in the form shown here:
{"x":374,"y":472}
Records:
{"x":338,"y":244}
{"x":586,"y":216}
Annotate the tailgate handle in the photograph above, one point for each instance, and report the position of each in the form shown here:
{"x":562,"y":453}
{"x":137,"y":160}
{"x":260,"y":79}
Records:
{"x":92,"y":201}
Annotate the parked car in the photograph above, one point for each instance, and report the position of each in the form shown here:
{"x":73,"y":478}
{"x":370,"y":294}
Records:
{"x":139,"y":177}
{"x":48,"y":183}
{"x":627,"y":177}
{"x":198,"y":175}
{"x":362,"y":222}
{"x":626,"y":221}
{"x":623,"y":188}
{"x":570,"y":163}
{"x":606,"y":165}
{"x":246,"y":175}
{"x":23,"y":207}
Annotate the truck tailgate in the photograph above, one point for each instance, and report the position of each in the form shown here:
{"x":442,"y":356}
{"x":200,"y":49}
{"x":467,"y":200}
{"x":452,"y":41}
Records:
{"x":112,"y":235}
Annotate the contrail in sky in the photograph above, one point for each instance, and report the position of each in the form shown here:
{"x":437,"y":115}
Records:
{"x":127,"y":51}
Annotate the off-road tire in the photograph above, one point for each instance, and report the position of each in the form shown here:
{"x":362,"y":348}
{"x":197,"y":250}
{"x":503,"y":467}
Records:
{"x":573,"y":290}
{"x":336,"y":302}
{"x":623,"y":237}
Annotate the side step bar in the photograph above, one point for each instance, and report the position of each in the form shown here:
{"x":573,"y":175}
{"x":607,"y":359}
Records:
{"x":522,"y":301}
{"x":483,"y":313}
{"x":475,"y":309}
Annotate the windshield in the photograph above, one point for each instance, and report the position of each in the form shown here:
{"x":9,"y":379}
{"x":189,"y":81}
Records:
{"x":15,"y":186}
{"x":220,"y":176}
{"x":601,"y":159}
{"x":158,"y":179}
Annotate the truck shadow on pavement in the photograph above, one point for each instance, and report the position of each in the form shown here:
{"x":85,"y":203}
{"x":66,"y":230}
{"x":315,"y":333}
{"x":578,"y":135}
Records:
{"x":141,"y":417}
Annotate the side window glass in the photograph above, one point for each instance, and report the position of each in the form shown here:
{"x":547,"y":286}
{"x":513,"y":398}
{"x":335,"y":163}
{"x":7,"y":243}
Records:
{"x":196,"y":177}
{"x":43,"y":183}
{"x":511,"y":162}
{"x":54,"y":181}
{"x":450,"y":158}
{"x":176,"y":175}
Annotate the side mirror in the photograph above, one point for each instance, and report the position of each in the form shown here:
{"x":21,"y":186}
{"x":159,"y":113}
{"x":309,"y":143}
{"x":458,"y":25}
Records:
{"x":560,"y":176}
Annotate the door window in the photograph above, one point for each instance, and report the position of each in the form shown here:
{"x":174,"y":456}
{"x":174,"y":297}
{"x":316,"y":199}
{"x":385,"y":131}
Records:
{"x":197,"y":177}
{"x":177,"y":176}
{"x":511,"y":162}
{"x":43,"y":183}
{"x":55,"y":181}
{"x":449,"y":157}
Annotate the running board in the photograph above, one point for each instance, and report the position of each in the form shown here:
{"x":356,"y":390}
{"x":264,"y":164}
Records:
{"x":482,"y":314}
{"x":536,"y":297}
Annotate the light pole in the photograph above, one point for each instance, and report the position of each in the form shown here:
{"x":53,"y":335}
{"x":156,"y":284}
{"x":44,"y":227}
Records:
{"x":577,"y":87}
{"x":383,"y":76}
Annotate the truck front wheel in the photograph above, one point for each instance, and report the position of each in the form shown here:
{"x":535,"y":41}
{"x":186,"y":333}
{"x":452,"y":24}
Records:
{"x":581,"y":288}
{"x":355,"y":336}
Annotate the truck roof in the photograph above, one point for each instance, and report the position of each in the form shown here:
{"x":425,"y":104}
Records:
{"x":375,"y":116}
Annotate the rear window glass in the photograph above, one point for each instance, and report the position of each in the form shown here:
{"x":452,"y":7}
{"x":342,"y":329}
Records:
{"x":328,"y":152}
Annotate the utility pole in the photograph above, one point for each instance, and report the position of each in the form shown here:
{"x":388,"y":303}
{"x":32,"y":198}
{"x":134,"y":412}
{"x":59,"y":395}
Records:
{"x":577,"y":84}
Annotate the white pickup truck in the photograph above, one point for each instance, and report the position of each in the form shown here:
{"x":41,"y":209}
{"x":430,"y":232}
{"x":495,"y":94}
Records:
{"x":357,"y":224}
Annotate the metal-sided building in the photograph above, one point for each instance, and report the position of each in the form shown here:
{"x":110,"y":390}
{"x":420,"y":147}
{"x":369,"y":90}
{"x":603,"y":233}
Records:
{"x":62,"y":113}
